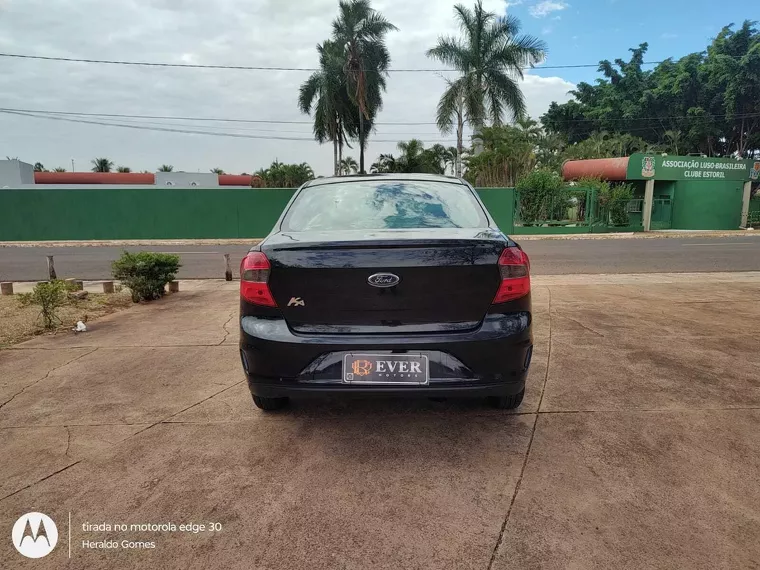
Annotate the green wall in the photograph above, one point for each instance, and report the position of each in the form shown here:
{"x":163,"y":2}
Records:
{"x":703,"y":205}
{"x":32,"y":214}
{"x":105,"y":213}
{"x":501,"y":205}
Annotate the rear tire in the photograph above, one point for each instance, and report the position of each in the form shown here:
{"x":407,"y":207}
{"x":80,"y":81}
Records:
{"x":507,"y":402}
{"x":270,"y":404}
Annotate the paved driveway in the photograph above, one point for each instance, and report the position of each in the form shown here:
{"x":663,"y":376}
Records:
{"x":636,"y":447}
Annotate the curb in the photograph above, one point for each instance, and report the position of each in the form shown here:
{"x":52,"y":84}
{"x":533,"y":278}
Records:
{"x":672,"y":234}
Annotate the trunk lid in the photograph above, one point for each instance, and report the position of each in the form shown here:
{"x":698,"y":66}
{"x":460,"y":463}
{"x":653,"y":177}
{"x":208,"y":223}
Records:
{"x":447,"y":279}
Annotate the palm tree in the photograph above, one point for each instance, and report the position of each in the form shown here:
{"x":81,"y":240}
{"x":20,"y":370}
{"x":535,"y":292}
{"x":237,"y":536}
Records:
{"x":529,"y":127}
{"x":414,"y":157}
{"x":385,"y":163}
{"x":38,"y":167}
{"x":348,"y":166}
{"x":450,"y":107}
{"x":326,"y":91}
{"x":360,"y":31}
{"x":165,"y":168}
{"x":216,"y":171}
{"x":490,"y":57}
{"x":59,"y":169}
{"x":101,"y":165}
{"x":438,"y":158}
{"x":123,"y":169}
{"x":280,"y":175}
{"x":673,"y":140}
{"x":454,"y":160}
{"x":598,"y":141}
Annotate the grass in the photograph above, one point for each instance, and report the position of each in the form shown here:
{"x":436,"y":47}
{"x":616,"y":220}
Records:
{"x":19,"y":323}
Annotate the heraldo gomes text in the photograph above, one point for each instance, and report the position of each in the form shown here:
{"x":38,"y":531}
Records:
{"x":115,"y":544}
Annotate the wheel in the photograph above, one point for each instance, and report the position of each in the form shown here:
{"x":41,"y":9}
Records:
{"x":507,"y":402}
{"x":269,"y":404}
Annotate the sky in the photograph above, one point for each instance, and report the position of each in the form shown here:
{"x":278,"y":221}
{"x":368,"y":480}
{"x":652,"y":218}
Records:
{"x":281,"y":33}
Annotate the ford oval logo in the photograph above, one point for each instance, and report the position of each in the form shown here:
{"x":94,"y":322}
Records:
{"x":383,"y":280}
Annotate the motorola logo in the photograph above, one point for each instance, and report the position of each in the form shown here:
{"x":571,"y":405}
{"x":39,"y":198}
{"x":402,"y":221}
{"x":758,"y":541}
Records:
{"x":34,"y":535}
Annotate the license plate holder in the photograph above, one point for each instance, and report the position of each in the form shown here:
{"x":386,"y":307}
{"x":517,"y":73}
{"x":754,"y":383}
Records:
{"x":399,"y":369}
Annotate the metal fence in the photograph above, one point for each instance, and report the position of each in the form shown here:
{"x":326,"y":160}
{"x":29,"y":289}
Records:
{"x":564,"y":208}
{"x":753,"y":216}
{"x":577,"y":208}
{"x":620,"y":213}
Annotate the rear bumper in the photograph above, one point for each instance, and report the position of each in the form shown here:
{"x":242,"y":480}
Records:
{"x":464,"y":388}
{"x":491,"y":360}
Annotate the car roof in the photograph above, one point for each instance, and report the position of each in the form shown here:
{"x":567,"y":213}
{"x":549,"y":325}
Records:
{"x":383,"y":176}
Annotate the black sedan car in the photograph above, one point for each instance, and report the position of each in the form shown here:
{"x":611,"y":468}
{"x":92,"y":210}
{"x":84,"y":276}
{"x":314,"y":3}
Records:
{"x":386,"y":284}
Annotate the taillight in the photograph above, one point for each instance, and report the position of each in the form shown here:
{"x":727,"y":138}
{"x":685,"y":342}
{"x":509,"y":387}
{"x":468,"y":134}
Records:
{"x":514,"y":267}
{"x":254,"y":274}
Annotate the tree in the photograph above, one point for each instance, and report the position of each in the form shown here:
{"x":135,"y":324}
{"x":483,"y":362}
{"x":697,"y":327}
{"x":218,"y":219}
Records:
{"x":348,"y":166}
{"x":454,"y":160}
{"x":326,"y":91}
{"x":360,"y":31}
{"x":280,"y":175}
{"x":706,"y":102}
{"x":216,"y":171}
{"x":123,"y":169}
{"x":38,"y":167}
{"x":414,"y":158}
{"x":166,"y":168}
{"x":508,"y":155}
{"x":101,"y":165}
{"x":451,"y":107}
{"x":673,"y":140}
{"x":489,"y":57}
{"x":59,"y":169}
{"x":385,"y":163}
{"x":553,"y":149}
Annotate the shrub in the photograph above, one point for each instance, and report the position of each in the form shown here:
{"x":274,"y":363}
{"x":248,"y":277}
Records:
{"x":613,"y":200}
{"x":145,"y":273}
{"x":49,"y":296}
{"x":543,"y":196}
{"x":507,"y":155}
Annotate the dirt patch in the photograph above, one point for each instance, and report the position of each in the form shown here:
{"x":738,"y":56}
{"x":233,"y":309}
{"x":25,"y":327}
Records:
{"x":19,"y":323}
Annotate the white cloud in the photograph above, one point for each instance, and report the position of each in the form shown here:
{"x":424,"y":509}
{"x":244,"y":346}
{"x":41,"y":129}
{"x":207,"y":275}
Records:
{"x":233,"y":32}
{"x":669,"y":36}
{"x":546,"y":7}
{"x":541,"y":91}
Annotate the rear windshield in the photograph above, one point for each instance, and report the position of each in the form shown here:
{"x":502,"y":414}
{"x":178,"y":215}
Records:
{"x":386,"y":204}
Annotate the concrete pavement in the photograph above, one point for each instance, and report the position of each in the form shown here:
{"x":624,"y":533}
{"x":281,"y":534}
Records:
{"x":698,"y":252}
{"x":636,"y":445}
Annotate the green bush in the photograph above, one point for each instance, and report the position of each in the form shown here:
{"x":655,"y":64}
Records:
{"x":49,"y":296}
{"x":543,"y":196}
{"x":613,"y":199}
{"x":146,"y":273}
